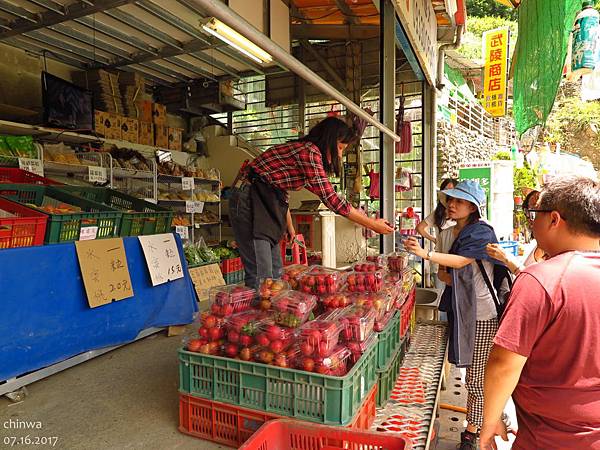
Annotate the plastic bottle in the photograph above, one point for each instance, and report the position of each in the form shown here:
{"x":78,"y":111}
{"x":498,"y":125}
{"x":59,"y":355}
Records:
{"x":585,"y":40}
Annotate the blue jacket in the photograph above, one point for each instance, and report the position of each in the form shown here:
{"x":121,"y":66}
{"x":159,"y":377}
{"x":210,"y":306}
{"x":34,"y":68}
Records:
{"x":459,"y":300}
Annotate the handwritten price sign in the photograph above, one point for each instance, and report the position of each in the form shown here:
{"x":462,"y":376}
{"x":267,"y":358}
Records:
{"x":162,"y":257}
{"x":32,"y":165}
{"x":187,"y":184}
{"x":104,"y":271}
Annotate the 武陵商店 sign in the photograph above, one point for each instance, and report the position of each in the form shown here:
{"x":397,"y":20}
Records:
{"x":495,"y":71}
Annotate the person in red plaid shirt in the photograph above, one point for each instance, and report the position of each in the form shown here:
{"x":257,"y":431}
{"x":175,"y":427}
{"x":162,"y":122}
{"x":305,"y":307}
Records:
{"x":259,"y":210}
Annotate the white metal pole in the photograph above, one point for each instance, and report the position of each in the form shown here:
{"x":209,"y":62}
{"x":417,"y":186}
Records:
{"x":225,"y":14}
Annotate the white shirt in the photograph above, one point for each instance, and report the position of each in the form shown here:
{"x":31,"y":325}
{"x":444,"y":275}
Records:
{"x":430,"y":220}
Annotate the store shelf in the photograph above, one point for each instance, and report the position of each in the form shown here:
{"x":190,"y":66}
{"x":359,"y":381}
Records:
{"x":51,"y":166}
{"x":412,"y":407}
{"x":182,"y":202}
{"x":162,"y":178}
{"x":44,"y":133}
{"x":132,"y":173}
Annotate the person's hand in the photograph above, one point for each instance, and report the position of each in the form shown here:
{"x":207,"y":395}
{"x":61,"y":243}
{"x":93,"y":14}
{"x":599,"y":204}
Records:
{"x":413,"y":246}
{"x":445,"y":277}
{"x":290,"y":233}
{"x":496,"y":252}
{"x":489,"y":431}
{"x":382,"y":226}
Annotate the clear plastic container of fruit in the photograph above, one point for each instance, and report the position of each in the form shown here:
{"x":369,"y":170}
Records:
{"x":319,"y":280}
{"x":244,"y":328}
{"x":227,"y":300}
{"x":199,"y":345}
{"x":357,"y":322}
{"x":292,"y":274}
{"x":212,"y":327}
{"x":365,"y":281}
{"x":382,"y":320}
{"x":366,"y":267}
{"x":267,"y":355}
{"x":381,"y":302}
{"x":397,"y":261}
{"x":292,"y":308}
{"x":380,"y":260}
{"x":358,"y":348}
{"x":318,"y":338}
{"x":269,"y":288}
{"x":335,"y":365}
{"x":334,"y":301}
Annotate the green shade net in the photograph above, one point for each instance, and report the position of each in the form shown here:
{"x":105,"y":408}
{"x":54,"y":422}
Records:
{"x":544,"y":28}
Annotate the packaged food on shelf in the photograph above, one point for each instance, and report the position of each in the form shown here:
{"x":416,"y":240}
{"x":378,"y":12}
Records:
{"x":365,"y":281}
{"x":181,"y":220}
{"x":397,"y":262}
{"x":335,"y":365}
{"x":321,"y":280}
{"x":269,"y":288}
{"x":357,"y":322}
{"x":292,"y":308}
{"x":292,"y":274}
{"x":227,"y":300}
{"x":318,"y":338}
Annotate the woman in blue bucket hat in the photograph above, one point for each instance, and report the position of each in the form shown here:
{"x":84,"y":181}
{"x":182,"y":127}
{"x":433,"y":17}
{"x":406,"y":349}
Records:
{"x":474,"y":296}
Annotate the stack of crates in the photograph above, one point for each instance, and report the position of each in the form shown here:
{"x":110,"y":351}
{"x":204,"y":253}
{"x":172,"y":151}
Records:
{"x":226,"y":400}
{"x":232,"y":270}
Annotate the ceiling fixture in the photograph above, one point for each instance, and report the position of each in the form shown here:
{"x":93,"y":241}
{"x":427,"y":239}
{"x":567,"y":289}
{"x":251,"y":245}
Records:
{"x":236,"y":40}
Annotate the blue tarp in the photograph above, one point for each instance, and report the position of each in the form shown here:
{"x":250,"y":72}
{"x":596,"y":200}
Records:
{"x":45,"y":317}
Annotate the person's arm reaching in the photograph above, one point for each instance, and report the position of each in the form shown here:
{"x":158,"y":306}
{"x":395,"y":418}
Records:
{"x":422,"y":228}
{"x":501,"y":377}
{"x":496,"y":252}
{"x":443,"y":259}
{"x":380,"y":226}
{"x":290,"y":227}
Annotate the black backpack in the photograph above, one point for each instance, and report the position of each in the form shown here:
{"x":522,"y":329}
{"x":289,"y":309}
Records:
{"x":500,"y":288}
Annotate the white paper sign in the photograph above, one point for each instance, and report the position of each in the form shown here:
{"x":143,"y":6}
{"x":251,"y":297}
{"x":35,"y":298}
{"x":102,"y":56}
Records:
{"x":182,"y":231}
{"x":187,"y":184}
{"x":194,"y":207}
{"x":88,"y":233}
{"x":97,"y":174}
{"x":32,"y":165}
{"x":162,"y":257}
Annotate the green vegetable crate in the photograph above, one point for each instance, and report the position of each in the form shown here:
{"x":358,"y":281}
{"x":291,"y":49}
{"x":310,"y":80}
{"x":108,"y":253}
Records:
{"x":286,"y":392}
{"x":386,"y":378}
{"x":389,"y":341}
{"x":140,"y":217}
{"x":66,"y":227}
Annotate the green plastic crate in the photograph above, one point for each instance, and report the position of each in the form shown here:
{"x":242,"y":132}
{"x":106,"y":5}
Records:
{"x":386,"y":378}
{"x":140,"y":217}
{"x":389,"y":341}
{"x":66,"y":227}
{"x":286,"y":392}
{"x":234,"y":277}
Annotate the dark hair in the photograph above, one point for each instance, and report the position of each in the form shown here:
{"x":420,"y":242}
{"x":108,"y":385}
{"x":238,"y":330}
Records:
{"x":325,"y":135}
{"x":577,"y":200}
{"x":528,"y":198}
{"x":439,"y":215}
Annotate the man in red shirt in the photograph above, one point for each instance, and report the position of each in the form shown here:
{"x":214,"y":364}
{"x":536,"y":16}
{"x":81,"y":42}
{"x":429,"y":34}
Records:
{"x":546,"y":349}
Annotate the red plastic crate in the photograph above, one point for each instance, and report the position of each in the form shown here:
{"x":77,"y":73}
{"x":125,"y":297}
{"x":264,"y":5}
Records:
{"x":20,"y":176}
{"x":231,"y":425}
{"x":26,"y":229}
{"x":295,"y":435}
{"x":406,"y":312}
{"x":299,"y":254}
{"x":231,"y":265}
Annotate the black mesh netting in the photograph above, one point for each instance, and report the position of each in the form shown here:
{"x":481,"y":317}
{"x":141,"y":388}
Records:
{"x":544,"y":27}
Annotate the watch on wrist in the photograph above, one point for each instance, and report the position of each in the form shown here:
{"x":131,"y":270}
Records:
{"x":429,"y":254}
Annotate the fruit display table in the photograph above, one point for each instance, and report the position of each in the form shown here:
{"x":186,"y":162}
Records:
{"x":45,"y":318}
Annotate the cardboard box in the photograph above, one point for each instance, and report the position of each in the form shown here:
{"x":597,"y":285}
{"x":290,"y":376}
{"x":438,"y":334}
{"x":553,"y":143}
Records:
{"x":99,"y":117}
{"x":159,"y":114}
{"x":175,"y":139}
{"x":146,"y":133}
{"x":130,"y":130}
{"x":112,"y":126}
{"x":145,"y":111}
{"x":161,"y":136}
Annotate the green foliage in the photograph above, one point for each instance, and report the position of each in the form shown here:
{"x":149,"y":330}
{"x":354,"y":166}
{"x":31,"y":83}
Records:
{"x":524,"y":177}
{"x":476,"y":26}
{"x":570,"y":117}
{"x":482,"y":8}
{"x":502,"y":156}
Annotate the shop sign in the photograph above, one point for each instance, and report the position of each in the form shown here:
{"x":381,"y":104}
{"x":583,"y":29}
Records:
{"x":187,"y":183}
{"x":104,"y":270}
{"x":482,"y":173}
{"x":162,"y":257}
{"x":97,"y":174}
{"x":194,"y":207}
{"x":182,"y":231}
{"x":495,"y":71}
{"x":419,"y":22}
{"x":88,"y":233}
{"x":32,"y":165}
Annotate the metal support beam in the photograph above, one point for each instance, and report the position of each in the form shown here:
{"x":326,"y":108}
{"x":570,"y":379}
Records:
{"x":345,"y":9}
{"x":75,"y":11}
{"x":40,"y":50}
{"x":234,"y":20}
{"x":52,"y":42}
{"x":334,"y":32}
{"x":90,"y":40}
{"x":387,"y":99}
{"x":341,"y":84}
{"x":22,"y":13}
{"x":50,"y":5}
{"x":116,"y":34}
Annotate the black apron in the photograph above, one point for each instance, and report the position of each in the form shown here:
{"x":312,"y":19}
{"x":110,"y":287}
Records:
{"x":269,"y":210}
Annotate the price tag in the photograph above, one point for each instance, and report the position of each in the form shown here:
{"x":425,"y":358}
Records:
{"x":104,"y":271}
{"x":182,"y":231}
{"x":194,"y":207}
{"x":162,"y":257}
{"x":88,"y":233}
{"x":32,"y":165}
{"x":97,"y":174}
{"x":187,"y":184}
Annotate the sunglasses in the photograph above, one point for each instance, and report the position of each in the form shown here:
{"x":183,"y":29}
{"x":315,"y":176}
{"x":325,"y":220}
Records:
{"x":532,"y":213}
